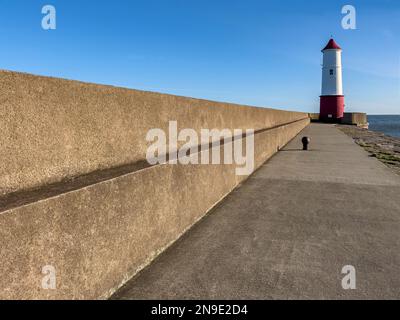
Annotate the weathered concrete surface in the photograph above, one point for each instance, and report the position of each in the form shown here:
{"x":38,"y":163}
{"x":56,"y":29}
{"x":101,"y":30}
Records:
{"x":383,"y":147}
{"x":116,"y":214}
{"x":99,"y":236}
{"x":287,"y":232}
{"x":355,"y":118}
{"x":54,"y":130}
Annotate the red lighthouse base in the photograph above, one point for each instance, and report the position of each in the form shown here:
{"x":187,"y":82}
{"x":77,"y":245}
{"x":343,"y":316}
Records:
{"x":331,"y":108}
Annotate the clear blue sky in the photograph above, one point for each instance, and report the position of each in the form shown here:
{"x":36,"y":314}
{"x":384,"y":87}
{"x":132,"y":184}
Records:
{"x":263,"y":53}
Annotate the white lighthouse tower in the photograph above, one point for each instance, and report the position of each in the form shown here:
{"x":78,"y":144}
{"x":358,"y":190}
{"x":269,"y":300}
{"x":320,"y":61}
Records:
{"x":332,"y":98}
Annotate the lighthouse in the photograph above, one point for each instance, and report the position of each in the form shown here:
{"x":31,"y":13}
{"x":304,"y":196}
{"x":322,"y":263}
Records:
{"x":332,"y":98}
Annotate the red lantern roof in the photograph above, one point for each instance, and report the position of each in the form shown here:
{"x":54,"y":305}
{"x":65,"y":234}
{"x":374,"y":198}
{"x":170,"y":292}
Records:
{"x":332,"y":45}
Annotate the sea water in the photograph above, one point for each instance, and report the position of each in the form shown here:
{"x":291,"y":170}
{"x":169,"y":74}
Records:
{"x":388,"y":124}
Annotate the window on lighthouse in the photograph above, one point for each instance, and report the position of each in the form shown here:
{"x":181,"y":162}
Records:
{"x":331,"y":72}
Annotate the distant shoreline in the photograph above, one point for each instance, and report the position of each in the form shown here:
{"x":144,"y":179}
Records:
{"x":381,"y":146}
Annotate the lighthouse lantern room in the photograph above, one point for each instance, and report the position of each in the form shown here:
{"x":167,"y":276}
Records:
{"x":332,"y":98}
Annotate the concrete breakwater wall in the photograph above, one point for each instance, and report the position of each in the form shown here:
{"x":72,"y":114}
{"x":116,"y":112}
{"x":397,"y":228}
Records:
{"x":76,"y":191}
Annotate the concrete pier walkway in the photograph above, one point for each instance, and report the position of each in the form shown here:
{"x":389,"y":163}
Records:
{"x":287,"y":232}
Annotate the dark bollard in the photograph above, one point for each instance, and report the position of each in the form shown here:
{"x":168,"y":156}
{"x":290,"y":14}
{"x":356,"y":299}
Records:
{"x":306,"y":141}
